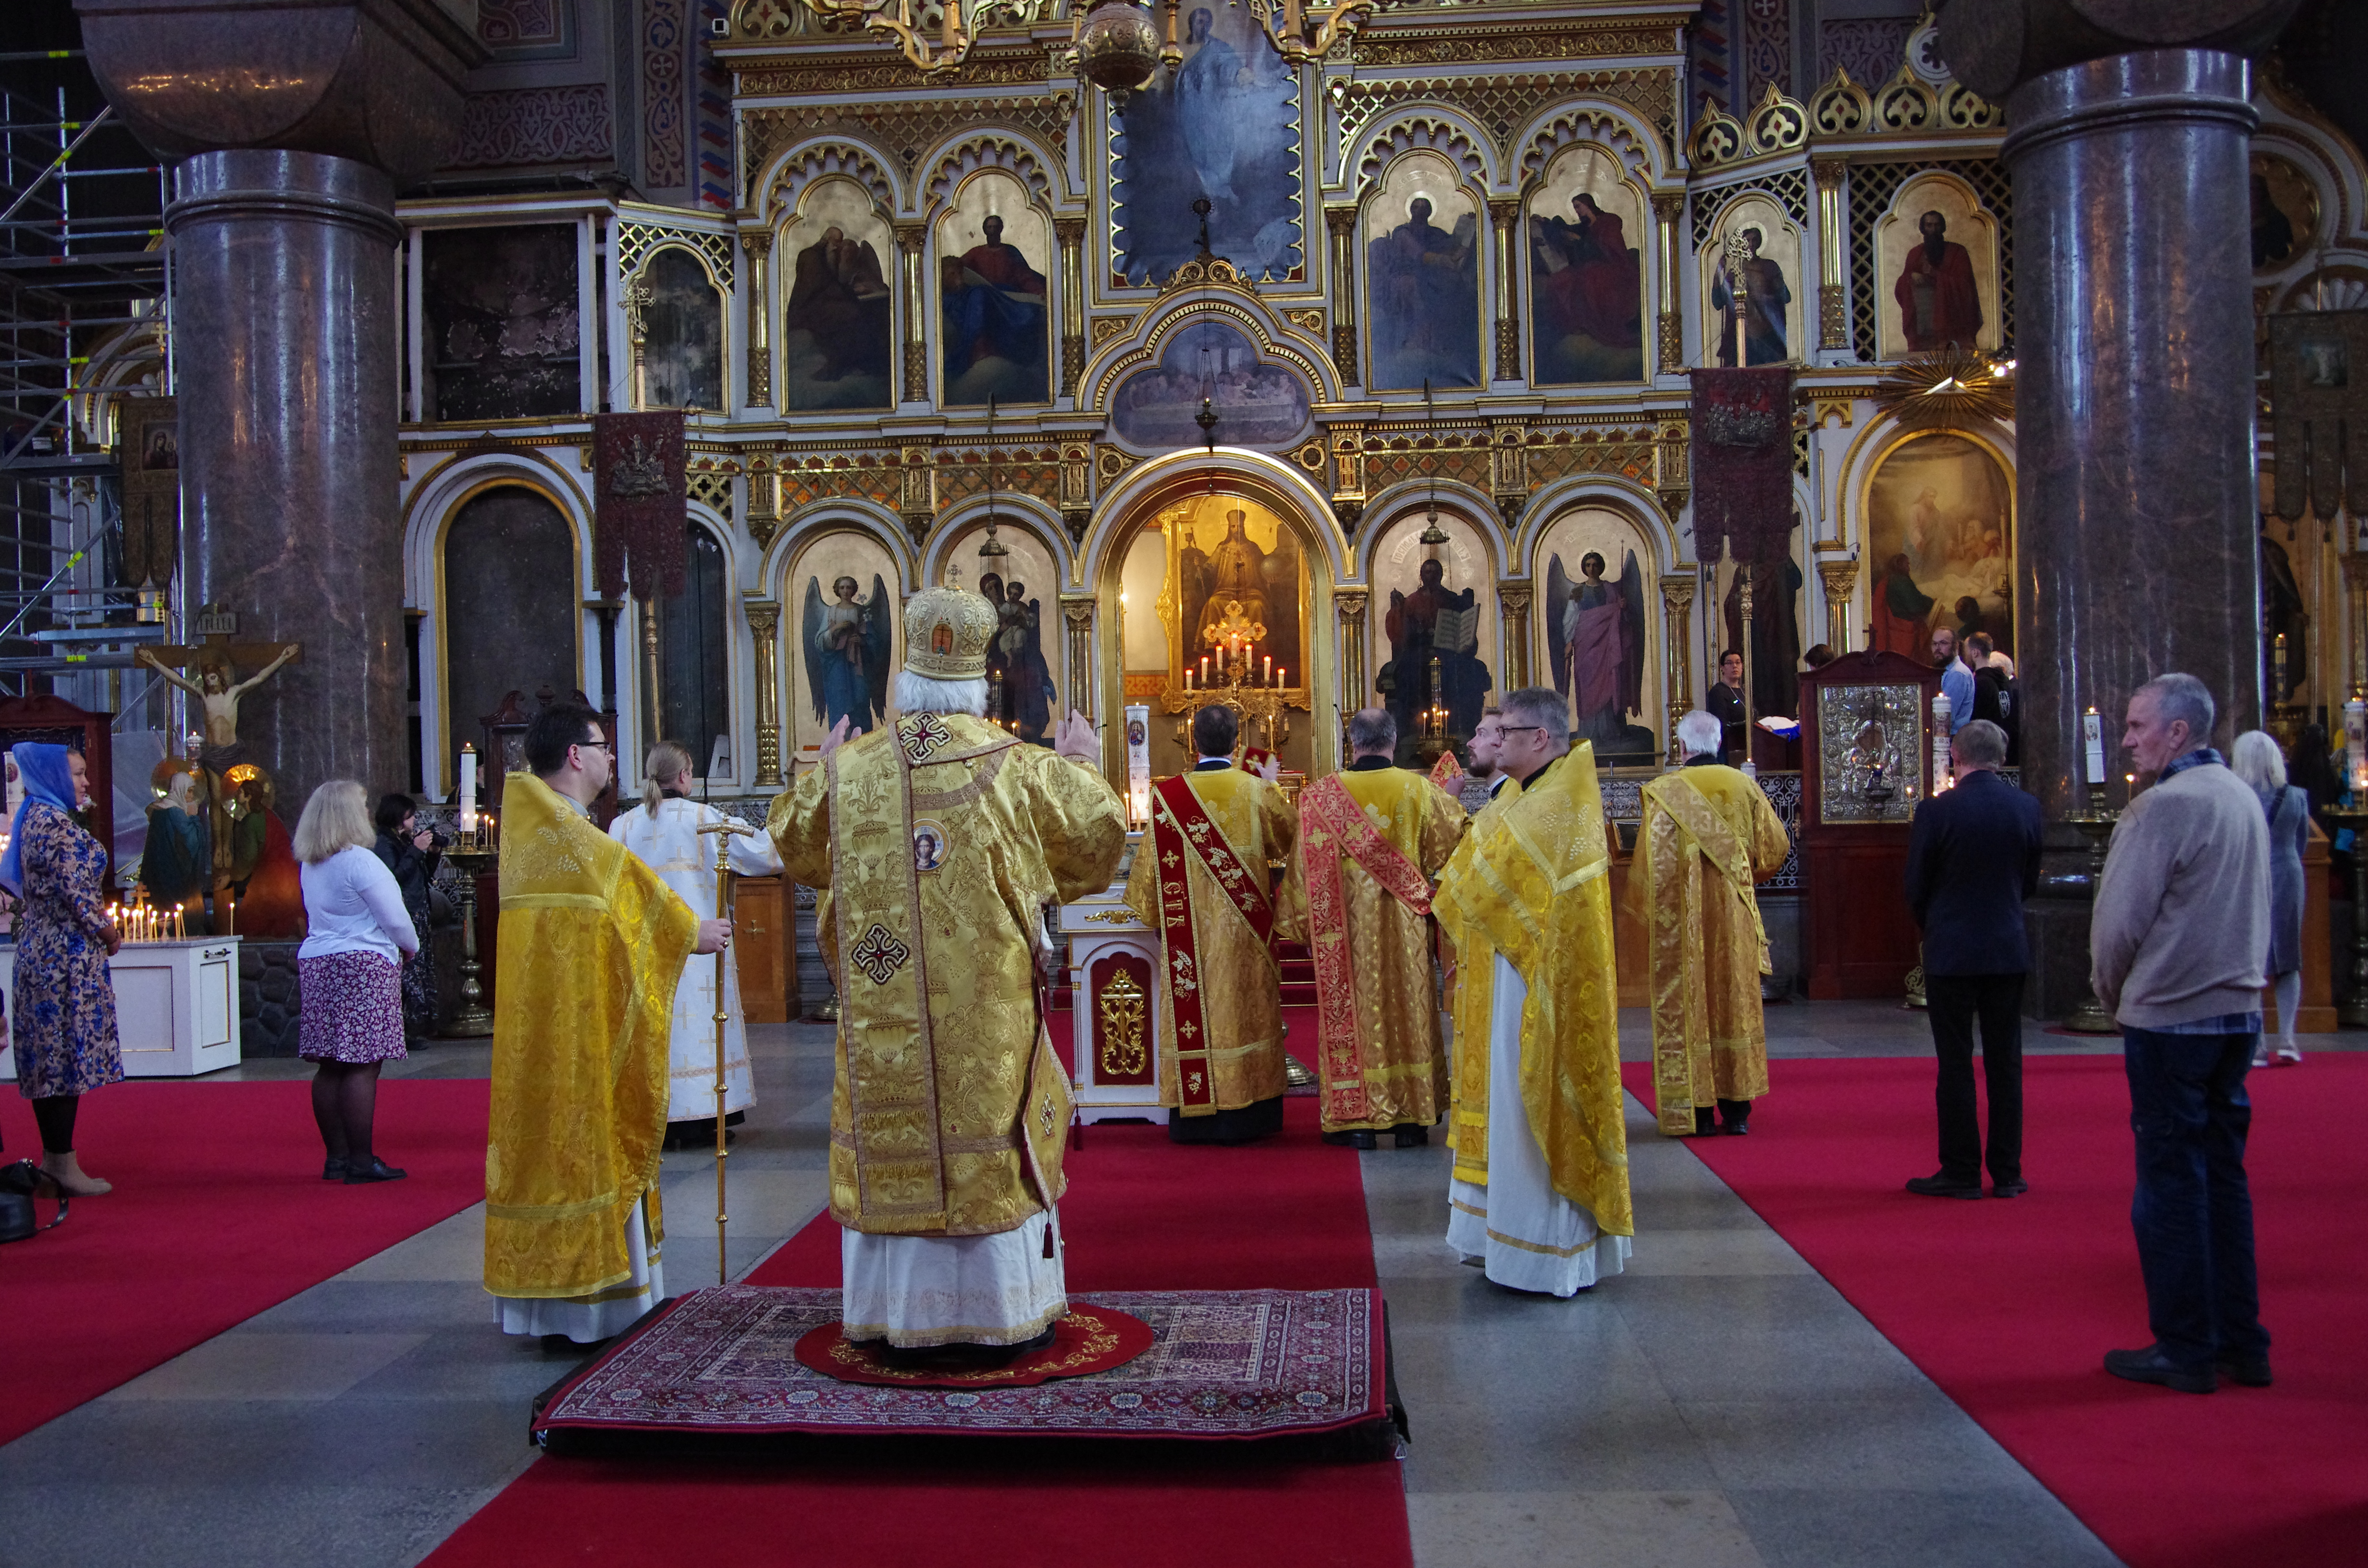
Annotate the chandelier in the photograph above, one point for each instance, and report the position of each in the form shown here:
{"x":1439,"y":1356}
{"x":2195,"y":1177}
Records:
{"x":1118,"y":47}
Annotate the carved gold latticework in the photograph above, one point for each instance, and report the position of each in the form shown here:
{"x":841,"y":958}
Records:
{"x":1123,"y":1006}
{"x":905,"y":127}
{"x":1507,"y":104}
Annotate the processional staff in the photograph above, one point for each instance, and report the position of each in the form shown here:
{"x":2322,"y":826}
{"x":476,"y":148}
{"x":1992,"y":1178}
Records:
{"x":725,"y":831}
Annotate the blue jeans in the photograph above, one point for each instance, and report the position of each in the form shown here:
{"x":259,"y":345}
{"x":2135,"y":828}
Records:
{"x":2193,"y":1213}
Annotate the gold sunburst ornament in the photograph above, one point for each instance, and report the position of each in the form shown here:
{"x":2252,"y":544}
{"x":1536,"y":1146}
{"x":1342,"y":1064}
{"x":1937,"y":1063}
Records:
{"x":1947,"y":386}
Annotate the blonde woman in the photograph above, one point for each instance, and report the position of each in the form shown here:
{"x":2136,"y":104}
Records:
{"x":349,"y":974}
{"x":664,"y":832}
{"x":2256,"y":759}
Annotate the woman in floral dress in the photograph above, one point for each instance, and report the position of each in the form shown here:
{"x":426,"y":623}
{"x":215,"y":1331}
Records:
{"x":62,"y":1025}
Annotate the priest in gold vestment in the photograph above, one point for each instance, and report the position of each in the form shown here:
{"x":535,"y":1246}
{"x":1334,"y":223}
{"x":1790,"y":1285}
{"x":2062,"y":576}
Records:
{"x":940,"y":841}
{"x":1201,"y":879}
{"x":592,"y":944}
{"x":1709,"y":835}
{"x":1539,"y":1197}
{"x":1370,"y":839}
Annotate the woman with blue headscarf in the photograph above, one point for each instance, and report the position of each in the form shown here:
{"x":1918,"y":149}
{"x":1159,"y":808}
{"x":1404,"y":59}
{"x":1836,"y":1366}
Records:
{"x":62,"y":1025}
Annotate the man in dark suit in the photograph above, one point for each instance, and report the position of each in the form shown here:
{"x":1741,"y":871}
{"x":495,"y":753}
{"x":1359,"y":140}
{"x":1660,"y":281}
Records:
{"x":1973,"y":858}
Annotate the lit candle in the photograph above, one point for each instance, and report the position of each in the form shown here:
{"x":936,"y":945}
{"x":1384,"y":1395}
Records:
{"x":1266,"y":664}
{"x":468,"y":788}
{"x":1187,"y":677}
{"x":2130,"y":786}
{"x":2092,"y":732}
{"x":1278,"y":681}
{"x":180,"y":922}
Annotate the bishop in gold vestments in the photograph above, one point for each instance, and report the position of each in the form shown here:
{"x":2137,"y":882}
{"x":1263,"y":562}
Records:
{"x":1370,"y":839}
{"x":1708,"y":836}
{"x":592,"y":944}
{"x":1201,"y":879}
{"x":940,"y":841}
{"x":1539,"y":1195}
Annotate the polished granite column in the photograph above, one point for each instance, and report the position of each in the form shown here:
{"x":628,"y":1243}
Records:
{"x":285,"y":327}
{"x":293,"y":123}
{"x":2135,"y":496}
{"x":2134,"y":396}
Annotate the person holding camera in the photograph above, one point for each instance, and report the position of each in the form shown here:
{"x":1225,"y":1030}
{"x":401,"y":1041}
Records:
{"x":412,"y":852}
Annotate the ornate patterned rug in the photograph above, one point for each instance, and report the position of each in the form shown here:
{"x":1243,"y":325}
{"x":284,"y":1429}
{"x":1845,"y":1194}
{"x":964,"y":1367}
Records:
{"x":1090,"y":1340}
{"x":1221,"y":1364}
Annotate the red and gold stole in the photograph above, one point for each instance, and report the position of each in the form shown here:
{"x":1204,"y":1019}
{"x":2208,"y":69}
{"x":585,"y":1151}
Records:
{"x":1446,"y":771}
{"x":1331,"y":824}
{"x":1180,"y":825}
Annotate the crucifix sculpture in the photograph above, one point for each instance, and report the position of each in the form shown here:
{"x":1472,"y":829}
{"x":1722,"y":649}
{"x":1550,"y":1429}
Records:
{"x":238,"y":788}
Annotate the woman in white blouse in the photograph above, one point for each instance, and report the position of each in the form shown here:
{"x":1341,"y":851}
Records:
{"x":348,"y":974}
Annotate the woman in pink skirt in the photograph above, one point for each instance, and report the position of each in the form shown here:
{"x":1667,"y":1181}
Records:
{"x":348,"y":974}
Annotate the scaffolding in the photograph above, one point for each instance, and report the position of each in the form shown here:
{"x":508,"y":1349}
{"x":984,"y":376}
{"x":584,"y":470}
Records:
{"x":85,"y":277}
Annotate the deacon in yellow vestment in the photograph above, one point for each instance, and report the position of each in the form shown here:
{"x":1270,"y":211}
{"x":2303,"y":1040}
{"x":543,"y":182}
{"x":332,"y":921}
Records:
{"x":1201,"y":879}
{"x":1370,"y":839}
{"x":940,"y":841}
{"x":592,"y":944}
{"x":1708,"y":835}
{"x":1539,"y":1197}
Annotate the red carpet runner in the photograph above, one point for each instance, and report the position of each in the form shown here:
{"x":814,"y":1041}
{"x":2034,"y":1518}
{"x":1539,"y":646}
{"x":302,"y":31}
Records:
{"x":1141,"y":1214}
{"x":2010,"y":1306}
{"x":218,"y":1211}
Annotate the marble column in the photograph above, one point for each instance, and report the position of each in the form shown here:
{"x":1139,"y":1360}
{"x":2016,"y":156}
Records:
{"x":912,"y":241}
{"x":2134,"y":396}
{"x":292,"y":128}
{"x":1677,"y":655}
{"x":284,"y":319}
{"x":1505,"y":217}
{"x":2127,"y":137}
{"x":758,"y":244}
{"x":1071,"y":232}
{"x":1340,"y":226}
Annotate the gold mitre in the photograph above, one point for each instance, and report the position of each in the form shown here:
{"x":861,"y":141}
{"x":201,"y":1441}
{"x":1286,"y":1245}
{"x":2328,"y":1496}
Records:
{"x":946,"y":634}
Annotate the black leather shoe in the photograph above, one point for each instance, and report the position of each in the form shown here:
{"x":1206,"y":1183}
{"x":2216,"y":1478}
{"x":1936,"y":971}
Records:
{"x":1942,"y":1186}
{"x":1734,"y":1128}
{"x":2151,"y":1365}
{"x":1357,"y":1140}
{"x":333,"y":1170}
{"x":1705,"y":1121}
{"x":2009,"y":1188}
{"x":377,"y":1170}
{"x":1407,"y":1135}
{"x":2245,"y":1371}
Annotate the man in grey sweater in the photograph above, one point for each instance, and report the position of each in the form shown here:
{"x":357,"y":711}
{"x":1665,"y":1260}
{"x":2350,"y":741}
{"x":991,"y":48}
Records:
{"x":2175,"y":943}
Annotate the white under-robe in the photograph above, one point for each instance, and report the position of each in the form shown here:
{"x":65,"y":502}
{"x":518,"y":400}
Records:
{"x":670,"y":845}
{"x":1521,"y":1231}
{"x":924,"y":1290}
{"x":588,"y":1320}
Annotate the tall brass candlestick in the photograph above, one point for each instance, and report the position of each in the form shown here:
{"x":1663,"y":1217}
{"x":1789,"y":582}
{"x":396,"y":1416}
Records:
{"x":723,"y":831}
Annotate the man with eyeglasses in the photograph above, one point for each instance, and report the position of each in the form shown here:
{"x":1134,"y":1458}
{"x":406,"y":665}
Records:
{"x":1539,"y":1198}
{"x":592,"y":945}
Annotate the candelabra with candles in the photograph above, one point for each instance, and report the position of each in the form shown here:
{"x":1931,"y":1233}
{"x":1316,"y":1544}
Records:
{"x":477,"y":852}
{"x":1230,"y":676}
{"x":140,"y":921}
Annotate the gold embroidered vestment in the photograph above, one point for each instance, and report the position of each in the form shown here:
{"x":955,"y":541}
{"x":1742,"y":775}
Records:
{"x":1471,"y":999}
{"x":592,"y":944}
{"x":939,"y":843}
{"x":1708,"y":835}
{"x":1389,"y":1005}
{"x":1534,"y":889}
{"x":1241,"y":1000}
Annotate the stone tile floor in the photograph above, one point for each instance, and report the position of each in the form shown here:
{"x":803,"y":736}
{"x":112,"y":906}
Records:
{"x":1717,"y":1405}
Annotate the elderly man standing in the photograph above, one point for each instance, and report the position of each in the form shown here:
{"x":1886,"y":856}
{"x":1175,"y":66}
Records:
{"x":1708,"y":837}
{"x":939,"y":842}
{"x":1539,"y":1197}
{"x":1370,"y":841}
{"x":1200,"y":878}
{"x":1973,"y":858}
{"x":2180,"y":925}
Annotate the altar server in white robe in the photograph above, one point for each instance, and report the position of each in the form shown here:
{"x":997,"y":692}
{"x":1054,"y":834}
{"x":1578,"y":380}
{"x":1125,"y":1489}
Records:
{"x":664,"y":832}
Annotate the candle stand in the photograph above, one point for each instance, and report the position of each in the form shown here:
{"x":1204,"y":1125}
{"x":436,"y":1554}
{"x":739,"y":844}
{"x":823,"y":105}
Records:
{"x":2089,"y":1015}
{"x":474,"y":1020}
